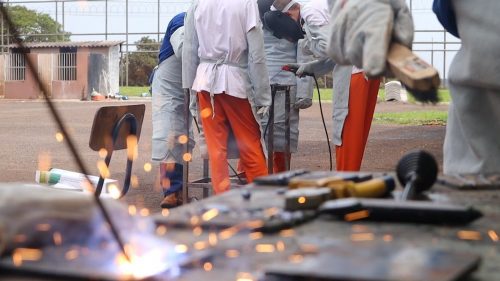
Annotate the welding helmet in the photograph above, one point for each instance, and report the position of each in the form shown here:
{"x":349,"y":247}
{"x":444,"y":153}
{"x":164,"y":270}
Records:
{"x":264,"y":7}
{"x":283,"y":26}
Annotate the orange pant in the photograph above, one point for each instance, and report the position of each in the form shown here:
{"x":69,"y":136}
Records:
{"x":235,"y":114}
{"x":279,"y":161}
{"x":362,"y":101}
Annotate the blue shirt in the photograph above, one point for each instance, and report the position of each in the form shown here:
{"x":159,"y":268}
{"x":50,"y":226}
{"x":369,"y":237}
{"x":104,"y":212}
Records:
{"x":166,"y":49}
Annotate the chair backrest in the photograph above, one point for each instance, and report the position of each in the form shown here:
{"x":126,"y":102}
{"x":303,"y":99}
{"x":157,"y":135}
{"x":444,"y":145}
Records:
{"x":105,"y":121}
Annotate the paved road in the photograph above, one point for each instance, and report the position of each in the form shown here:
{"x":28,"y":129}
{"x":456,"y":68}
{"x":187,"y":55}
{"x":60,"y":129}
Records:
{"x":27,"y":135}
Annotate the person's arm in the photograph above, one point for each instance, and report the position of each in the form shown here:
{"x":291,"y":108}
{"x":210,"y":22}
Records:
{"x":305,"y":85}
{"x":317,"y":40}
{"x":190,"y":59}
{"x":361,"y":32}
{"x":176,"y":40}
{"x":257,"y":69}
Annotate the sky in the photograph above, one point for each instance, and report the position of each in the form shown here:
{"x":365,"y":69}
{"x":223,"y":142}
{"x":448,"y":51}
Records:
{"x":86,"y":20}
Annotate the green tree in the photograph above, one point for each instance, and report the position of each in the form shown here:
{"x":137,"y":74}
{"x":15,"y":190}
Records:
{"x":142,"y":61}
{"x":34,"y":26}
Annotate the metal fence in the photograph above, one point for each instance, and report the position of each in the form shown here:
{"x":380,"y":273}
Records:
{"x":129,"y":14}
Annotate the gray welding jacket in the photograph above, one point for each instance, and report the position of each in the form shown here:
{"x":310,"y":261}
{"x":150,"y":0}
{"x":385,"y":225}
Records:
{"x":278,"y":53}
{"x":168,"y":107}
{"x":472,"y":141}
{"x":317,"y":38}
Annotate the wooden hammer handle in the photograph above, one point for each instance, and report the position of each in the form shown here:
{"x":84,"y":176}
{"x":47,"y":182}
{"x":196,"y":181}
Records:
{"x":411,"y":70}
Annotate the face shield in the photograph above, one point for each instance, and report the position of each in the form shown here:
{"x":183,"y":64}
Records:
{"x":282,"y":26}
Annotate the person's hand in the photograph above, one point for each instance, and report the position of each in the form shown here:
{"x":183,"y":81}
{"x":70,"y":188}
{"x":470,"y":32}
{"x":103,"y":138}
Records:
{"x":300,"y":69}
{"x":302,"y":103}
{"x":263,"y":111}
{"x":362,"y":30}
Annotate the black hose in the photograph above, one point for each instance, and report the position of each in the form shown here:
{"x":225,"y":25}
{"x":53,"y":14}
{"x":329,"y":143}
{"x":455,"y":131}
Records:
{"x":324,"y":124}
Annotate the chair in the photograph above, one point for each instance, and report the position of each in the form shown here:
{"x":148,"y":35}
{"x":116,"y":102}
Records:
{"x":110,"y":130}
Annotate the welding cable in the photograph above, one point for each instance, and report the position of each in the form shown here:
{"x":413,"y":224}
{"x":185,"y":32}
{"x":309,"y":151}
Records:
{"x":240,"y":180}
{"x":57,"y":118}
{"x":324,"y":124}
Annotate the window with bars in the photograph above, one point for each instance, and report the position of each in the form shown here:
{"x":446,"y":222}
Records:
{"x":66,"y":64}
{"x":15,"y":67}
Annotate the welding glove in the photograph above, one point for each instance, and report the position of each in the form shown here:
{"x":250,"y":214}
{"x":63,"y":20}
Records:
{"x":263,"y":111}
{"x":302,"y":103}
{"x":362,"y":30}
{"x":315,"y":67}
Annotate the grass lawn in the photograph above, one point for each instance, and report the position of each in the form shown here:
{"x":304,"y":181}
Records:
{"x":402,"y":118}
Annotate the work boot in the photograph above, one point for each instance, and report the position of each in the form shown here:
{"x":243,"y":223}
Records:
{"x":171,"y":201}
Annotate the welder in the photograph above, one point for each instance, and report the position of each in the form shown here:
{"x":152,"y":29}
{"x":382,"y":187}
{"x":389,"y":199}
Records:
{"x":168,"y":113}
{"x":224,"y":62}
{"x":355,"y":96}
{"x":280,"y":51}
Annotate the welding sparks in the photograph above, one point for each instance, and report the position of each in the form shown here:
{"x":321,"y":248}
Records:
{"x":161,"y":230}
{"x":358,"y":237}
{"x":145,"y":212}
{"x":181,"y":248}
{"x":232,"y":254}
{"x":24,"y":254}
{"x":57,"y":237}
{"x":212,"y":239}
{"x":165,"y":212}
{"x":132,"y":149}
{"x":187,"y":157}
{"x":256,"y":235}
{"x":44,"y":161}
{"x":59,"y":137}
{"x":493,"y":235}
{"x":197,"y":231}
{"x":200,"y":245}
{"x":244,"y":276}
{"x":309,"y":248}
{"x":134,"y":181}
{"x":183,"y":139}
{"x":388,"y":238}
{"x":132,"y":210}
{"x":296,"y":258}
{"x":287,"y":233}
{"x":207,"y":266}
{"x":148,"y":167}
{"x":103,"y":169}
{"x":301,"y":200}
{"x":469,"y":235}
{"x":280,"y":246}
{"x":114,"y":191}
{"x":43,"y":227}
{"x":210,"y":214}
{"x":72,"y":254}
{"x":103,"y":153}
{"x":206,"y":112}
{"x":265,"y":248}
{"x":228,"y":233}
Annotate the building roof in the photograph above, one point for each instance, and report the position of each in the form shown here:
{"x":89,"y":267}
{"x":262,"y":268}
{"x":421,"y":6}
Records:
{"x":85,"y":44}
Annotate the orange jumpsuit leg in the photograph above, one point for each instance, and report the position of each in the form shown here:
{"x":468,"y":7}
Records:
{"x":279,"y":161}
{"x":216,"y":134}
{"x":362,"y":101}
{"x":247,"y":133}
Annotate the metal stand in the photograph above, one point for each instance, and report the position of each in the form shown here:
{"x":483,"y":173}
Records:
{"x":110,"y":130}
{"x":185,"y":167}
{"x":270,"y":134}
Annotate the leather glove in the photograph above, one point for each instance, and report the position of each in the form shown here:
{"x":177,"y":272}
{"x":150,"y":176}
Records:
{"x":263,"y":111}
{"x":315,"y":67}
{"x":302,"y":103}
{"x":362,"y":30}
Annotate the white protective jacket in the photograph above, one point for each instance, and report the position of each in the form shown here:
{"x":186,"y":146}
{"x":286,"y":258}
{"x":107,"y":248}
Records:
{"x":257,"y":78}
{"x":472,"y":141}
